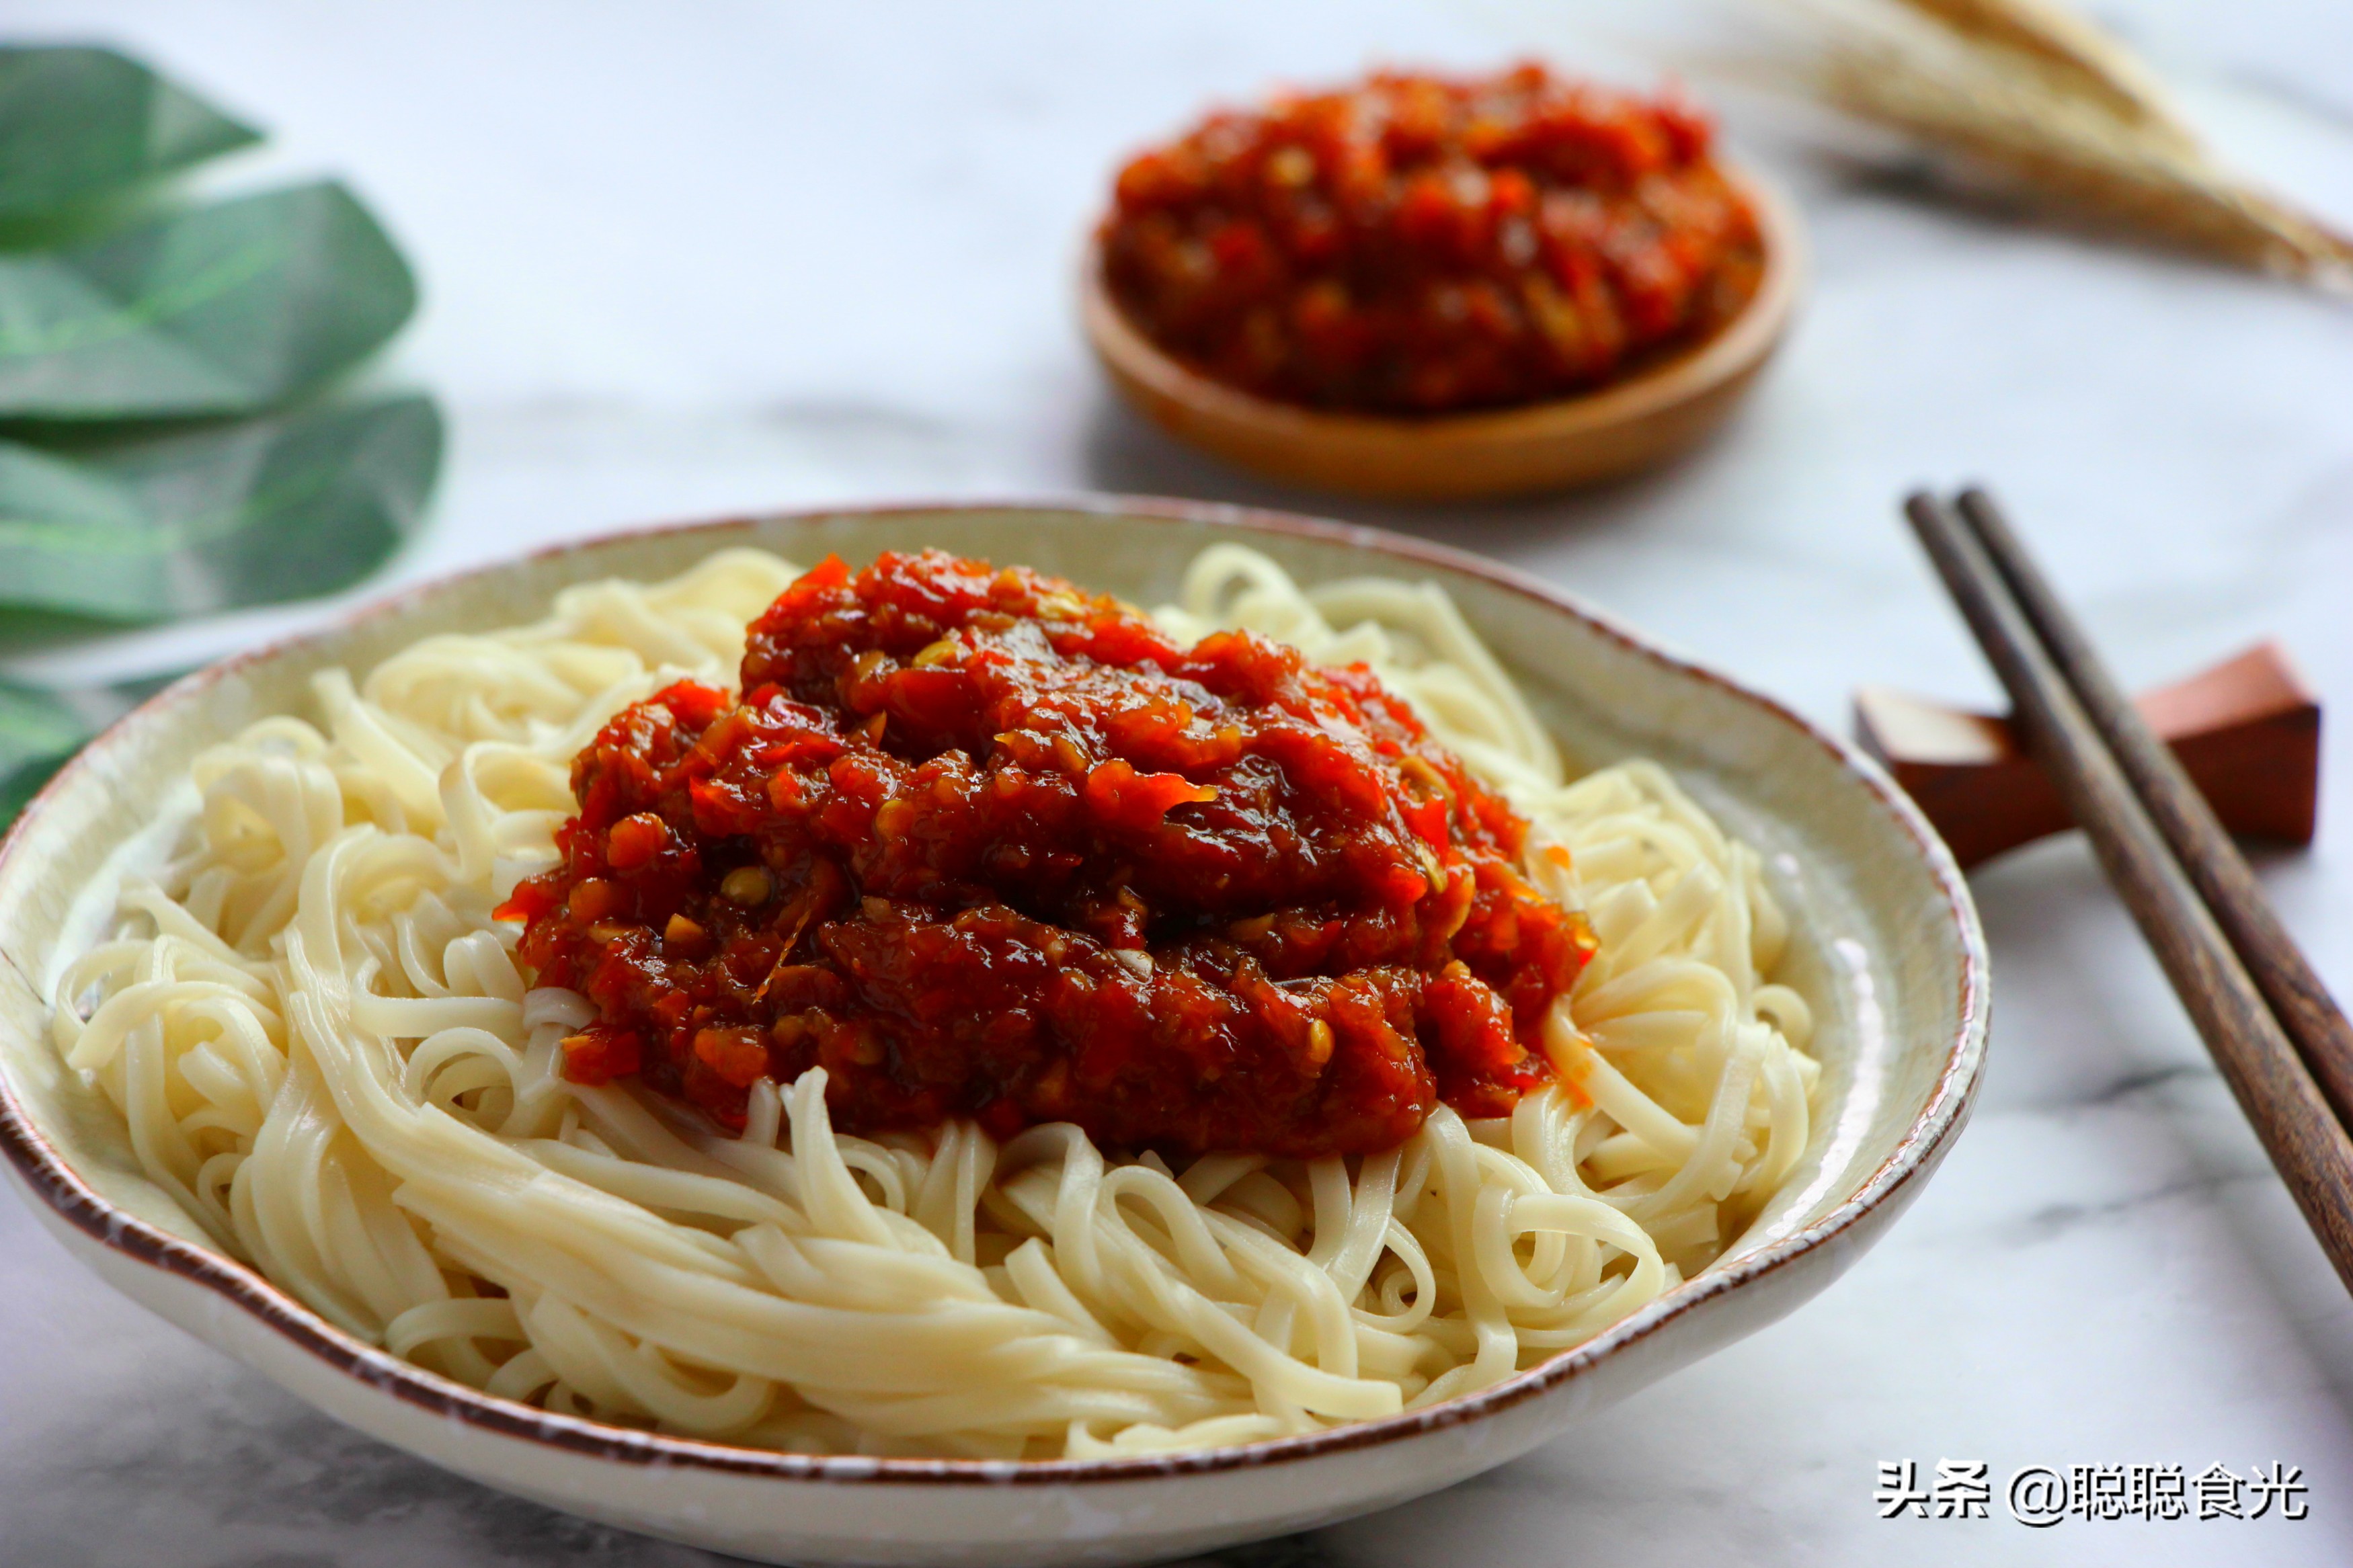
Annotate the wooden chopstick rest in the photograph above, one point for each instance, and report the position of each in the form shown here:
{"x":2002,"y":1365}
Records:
{"x":2247,"y":731}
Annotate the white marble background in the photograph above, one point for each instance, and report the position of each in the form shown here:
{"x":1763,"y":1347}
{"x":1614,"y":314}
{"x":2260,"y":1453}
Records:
{"x":693,"y":258}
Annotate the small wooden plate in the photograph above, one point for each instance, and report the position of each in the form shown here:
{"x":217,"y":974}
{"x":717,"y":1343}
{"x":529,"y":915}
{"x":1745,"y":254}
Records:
{"x":1553,"y":446}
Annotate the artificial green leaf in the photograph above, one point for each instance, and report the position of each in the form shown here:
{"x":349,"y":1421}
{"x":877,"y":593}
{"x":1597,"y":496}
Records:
{"x":224,"y":309}
{"x":274,"y":509}
{"x":81,"y":124}
{"x":39,"y":730}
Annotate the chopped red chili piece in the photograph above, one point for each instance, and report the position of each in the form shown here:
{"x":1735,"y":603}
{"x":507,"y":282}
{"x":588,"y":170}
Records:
{"x":1420,"y":244}
{"x":982,"y":845}
{"x":634,"y":840}
{"x":601,"y":1055}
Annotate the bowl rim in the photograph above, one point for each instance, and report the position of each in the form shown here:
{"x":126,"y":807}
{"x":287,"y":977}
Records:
{"x":1689,"y":373}
{"x":53,"y":1181}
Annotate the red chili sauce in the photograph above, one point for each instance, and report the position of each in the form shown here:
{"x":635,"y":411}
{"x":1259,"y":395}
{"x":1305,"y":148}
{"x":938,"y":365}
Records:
{"x":982,"y":844}
{"x":1419,"y":243}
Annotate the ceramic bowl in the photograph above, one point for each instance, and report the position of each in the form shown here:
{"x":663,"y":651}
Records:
{"x":1620,"y":430}
{"x":1886,"y":946}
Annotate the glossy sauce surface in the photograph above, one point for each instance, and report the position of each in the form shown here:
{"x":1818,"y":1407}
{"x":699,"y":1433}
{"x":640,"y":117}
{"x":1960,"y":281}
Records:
{"x":982,"y":845}
{"x":1422,"y":244}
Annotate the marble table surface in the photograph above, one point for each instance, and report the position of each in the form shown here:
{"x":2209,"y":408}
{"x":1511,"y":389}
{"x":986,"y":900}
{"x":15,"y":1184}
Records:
{"x":687,"y":260}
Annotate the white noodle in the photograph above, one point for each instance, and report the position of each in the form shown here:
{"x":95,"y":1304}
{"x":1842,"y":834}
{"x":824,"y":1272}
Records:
{"x":324,"y":1051}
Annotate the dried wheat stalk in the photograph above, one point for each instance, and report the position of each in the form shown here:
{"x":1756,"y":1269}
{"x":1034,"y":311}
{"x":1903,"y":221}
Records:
{"x":2031,"y":94}
{"x":2084,"y":60}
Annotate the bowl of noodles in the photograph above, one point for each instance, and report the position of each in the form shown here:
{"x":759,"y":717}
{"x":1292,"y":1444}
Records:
{"x":986,"y":1034}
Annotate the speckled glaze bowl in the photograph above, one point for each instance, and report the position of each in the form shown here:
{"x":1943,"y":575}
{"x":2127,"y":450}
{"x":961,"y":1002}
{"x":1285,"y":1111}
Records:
{"x":1886,"y":946}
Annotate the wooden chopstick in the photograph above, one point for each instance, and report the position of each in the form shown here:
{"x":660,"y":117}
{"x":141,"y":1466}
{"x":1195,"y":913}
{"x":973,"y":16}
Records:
{"x":2220,"y":874}
{"x":2294,"y":1119}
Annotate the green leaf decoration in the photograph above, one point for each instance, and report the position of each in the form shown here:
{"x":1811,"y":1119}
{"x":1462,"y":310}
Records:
{"x":159,"y":454}
{"x":226,"y":309}
{"x":39,"y":730}
{"x":82,"y":124}
{"x":182,"y":525}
